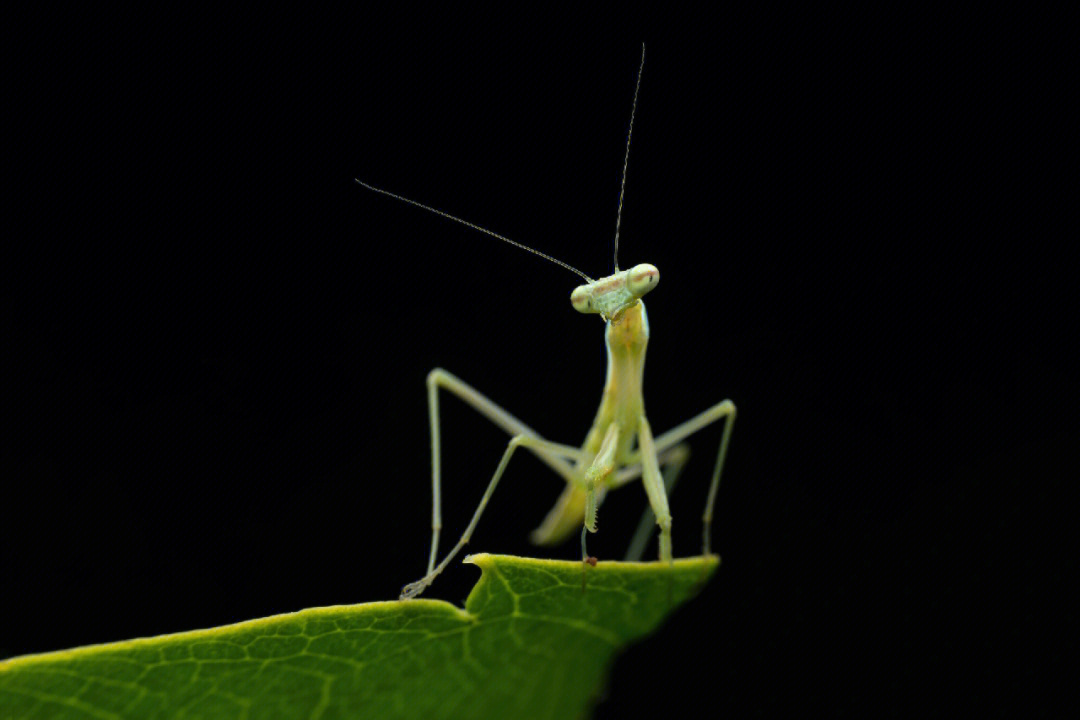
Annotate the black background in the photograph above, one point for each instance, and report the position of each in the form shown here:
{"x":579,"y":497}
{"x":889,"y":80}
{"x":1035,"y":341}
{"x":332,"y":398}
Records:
{"x":220,"y":340}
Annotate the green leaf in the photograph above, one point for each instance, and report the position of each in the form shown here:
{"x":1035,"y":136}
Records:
{"x":529,"y":644}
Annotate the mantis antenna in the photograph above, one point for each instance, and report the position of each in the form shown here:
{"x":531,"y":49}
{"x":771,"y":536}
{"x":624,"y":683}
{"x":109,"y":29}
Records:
{"x":626,"y":159}
{"x":477,"y":227}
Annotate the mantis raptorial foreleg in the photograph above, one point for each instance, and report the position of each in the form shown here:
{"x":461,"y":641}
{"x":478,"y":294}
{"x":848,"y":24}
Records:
{"x":553,"y":454}
{"x":654,"y":487}
{"x":724,"y":409}
{"x":596,"y":477}
{"x":665,"y":444}
{"x":672,"y":463}
{"x":532,"y":443}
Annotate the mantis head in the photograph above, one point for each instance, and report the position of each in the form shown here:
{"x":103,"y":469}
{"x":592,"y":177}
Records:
{"x":610,"y":295}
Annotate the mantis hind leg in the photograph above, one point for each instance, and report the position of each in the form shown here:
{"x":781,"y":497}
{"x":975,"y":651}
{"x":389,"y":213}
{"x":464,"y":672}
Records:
{"x":728,"y":408}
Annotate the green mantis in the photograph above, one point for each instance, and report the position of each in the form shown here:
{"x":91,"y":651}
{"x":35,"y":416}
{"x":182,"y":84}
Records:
{"x":619,"y":447}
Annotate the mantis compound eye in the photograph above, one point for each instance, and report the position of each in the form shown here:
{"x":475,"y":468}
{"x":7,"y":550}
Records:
{"x":640,"y":279}
{"x":581,"y":299}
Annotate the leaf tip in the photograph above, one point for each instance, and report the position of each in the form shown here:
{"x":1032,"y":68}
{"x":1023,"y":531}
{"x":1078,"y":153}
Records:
{"x":481,"y":560}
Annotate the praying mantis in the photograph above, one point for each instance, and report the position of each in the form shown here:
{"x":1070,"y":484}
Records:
{"x":608,"y":458}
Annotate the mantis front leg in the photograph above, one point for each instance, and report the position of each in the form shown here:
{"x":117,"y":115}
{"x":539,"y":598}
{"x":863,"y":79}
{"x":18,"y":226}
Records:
{"x":670,"y":440}
{"x":595,"y":478}
{"x":654,"y":487}
{"x":726,"y":410}
{"x":672,"y":462}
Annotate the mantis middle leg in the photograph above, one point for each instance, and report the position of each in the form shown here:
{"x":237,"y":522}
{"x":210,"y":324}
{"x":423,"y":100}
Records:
{"x":533,"y":443}
{"x":552,"y":454}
